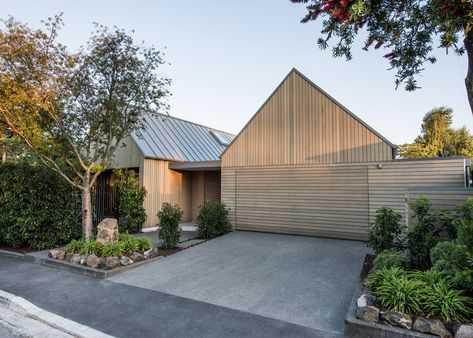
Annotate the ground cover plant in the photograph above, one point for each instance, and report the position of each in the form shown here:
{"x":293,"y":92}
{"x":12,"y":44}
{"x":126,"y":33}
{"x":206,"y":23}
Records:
{"x":126,"y":245}
{"x":427,"y":269}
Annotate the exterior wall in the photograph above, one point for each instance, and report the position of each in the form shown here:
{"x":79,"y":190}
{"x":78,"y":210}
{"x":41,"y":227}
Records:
{"x":165,"y":185}
{"x":334,"y":200}
{"x":128,"y":156}
{"x":299,"y":124}
{"x":205,"y":186}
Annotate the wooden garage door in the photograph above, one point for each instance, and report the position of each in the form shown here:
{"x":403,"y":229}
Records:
{"x":329,"y":201}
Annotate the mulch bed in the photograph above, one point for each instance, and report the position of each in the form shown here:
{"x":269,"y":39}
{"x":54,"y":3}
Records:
{"x":18,"y":250}
{"x":367,"y":265}
{"x":167,"y":252}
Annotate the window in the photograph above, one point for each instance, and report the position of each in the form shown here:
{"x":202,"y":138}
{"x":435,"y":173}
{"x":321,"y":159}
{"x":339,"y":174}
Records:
{"x":221,"y":137}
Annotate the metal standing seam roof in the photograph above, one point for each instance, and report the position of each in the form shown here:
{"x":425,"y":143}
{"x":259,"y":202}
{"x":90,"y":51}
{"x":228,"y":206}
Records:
{"x":169,"y":138}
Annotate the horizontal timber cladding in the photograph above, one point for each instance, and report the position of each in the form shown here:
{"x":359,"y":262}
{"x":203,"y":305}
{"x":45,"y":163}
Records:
{"x":333,"y":200}
{"x":300,"y":124}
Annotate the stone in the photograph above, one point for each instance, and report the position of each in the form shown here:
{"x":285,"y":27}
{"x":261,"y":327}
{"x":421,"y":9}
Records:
{"x":124,"y":260}
{"x":137,"y":257}
{"x":151,"y":254}
{"x":368,"y":313}
{"x":57,"y":254}
{"x":83,"y":259}
{"x":397,"y":319}
{"x":107,"y":231}
{"x":68,"y":256}
{"x":92,"y":261}
{"x":433,"y":326}
{"x":366,"y":300}
{"x":112,"y":262}
{"x":464,"y":331}
{"x":75,"y":258}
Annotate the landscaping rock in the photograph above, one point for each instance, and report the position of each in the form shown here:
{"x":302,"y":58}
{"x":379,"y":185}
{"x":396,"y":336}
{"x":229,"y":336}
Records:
{"x":124,"y":260}
{"x":366,"y":300}
{"x":68,"y":256}
{"x":397,"y":319}
{"x":137,"y":257}
{"x":464,"y":331}
{"x":75,"y":258}
{"x":93,"y":261}
{"x":433,"y":326}
{"x":107,"y":231}
{"x":83,"y":259}
{"x":112,"y":262}
{"x":57,"y":254}
{"x":368,"y":313}
{"x":151,"y":254}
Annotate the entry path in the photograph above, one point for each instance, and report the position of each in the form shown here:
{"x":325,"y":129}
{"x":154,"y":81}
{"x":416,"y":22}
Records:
{"x":127,"y":311}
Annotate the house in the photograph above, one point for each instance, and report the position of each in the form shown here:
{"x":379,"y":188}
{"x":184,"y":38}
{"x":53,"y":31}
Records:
{"x":304,"y":164}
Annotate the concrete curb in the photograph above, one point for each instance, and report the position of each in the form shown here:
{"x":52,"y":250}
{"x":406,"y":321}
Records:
{"x":357,"y":328}
{"x":27,"y":309}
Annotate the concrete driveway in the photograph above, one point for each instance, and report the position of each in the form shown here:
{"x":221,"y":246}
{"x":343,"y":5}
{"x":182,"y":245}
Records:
{"x":302,"y":280}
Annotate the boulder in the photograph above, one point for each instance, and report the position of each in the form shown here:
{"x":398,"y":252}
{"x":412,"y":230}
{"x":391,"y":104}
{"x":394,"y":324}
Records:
{"x":464,"y":331}
{"x":83,"y":259}
{"x":92,"y":261}
{"x":112,"y":262}
{"x":107,"y":231}
{"x":68,"y":256}
{"x":57,"y":254}
{"x":366,"y":300}
{"x":76,"y":258}
{"x":124,"y":260}
{"x":433,"y":326}
{"x":368,"y":313}
{"x":137,"y":257}
{"x":397,"y":319}
{"x":151,"y":254}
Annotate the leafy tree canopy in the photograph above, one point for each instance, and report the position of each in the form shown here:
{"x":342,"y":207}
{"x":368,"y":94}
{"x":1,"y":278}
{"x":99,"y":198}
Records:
{"x":406,"y":28}
{"x":438,"y":138}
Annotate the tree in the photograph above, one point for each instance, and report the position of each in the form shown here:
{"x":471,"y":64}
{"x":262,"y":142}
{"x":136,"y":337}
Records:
{"x":74,"y":110}
{"x":438,"y":138}
{"x":406,"y":28}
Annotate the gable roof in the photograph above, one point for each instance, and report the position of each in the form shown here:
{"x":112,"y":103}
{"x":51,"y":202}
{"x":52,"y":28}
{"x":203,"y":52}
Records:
{"x":169,"y":138}
{"x":295,"y":71}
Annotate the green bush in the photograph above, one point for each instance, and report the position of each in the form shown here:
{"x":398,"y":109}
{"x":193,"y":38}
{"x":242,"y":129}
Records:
{"x":385,"y":233}
{"x":75,"y":246}
{"x":401,"y":294}
{"x":378,"y":277}
{"x":129,"y":244}
{"x":130,"y":211}
{"x":391,"y":259}
{"x":144,"y":244}
{"x":430,"y":277}
{"x":465,"y":211}
{"x":112,"y":249}
{"x":169,"y":230}
{"x":441,"y":301}
{"x":37,"y":208}
{"x":92,"y":248}
{"x":213,"y":220}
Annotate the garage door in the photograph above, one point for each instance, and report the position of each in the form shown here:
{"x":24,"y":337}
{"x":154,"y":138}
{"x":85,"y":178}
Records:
{"x":329,"y":201}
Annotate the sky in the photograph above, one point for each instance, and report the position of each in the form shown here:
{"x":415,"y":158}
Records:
{"x":226,"y":57}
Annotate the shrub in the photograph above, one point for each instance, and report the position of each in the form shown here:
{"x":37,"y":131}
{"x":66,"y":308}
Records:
{"x":169,"y":230}
{"x":37,"y":208}
{"x":385,"y":232}
{"x":113,"y":249}
{"x":144,"y":244}
{"x":213,"y":220}
{"x":451,"y":305}
{"x":430,"y":277}
{"x":378,"y":277}
{"x":465,"y":233}
{"x":92,"y":248}
{"x":75,"y":246}
{"x":129,"y":244}
{"x":130,"y":211}
{"x":391,"y":259}
{"x":465,"y":211}
{"x":401,"y":294}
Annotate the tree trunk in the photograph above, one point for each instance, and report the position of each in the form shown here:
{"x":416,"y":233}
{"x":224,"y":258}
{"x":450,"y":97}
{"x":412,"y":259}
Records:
{"x":469,"y":77}
{"x":86,"y":209}
{"x":4,"y":154}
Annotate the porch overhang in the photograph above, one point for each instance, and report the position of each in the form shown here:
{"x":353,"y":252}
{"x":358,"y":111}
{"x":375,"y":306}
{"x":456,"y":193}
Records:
{"x":196,"y":166}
